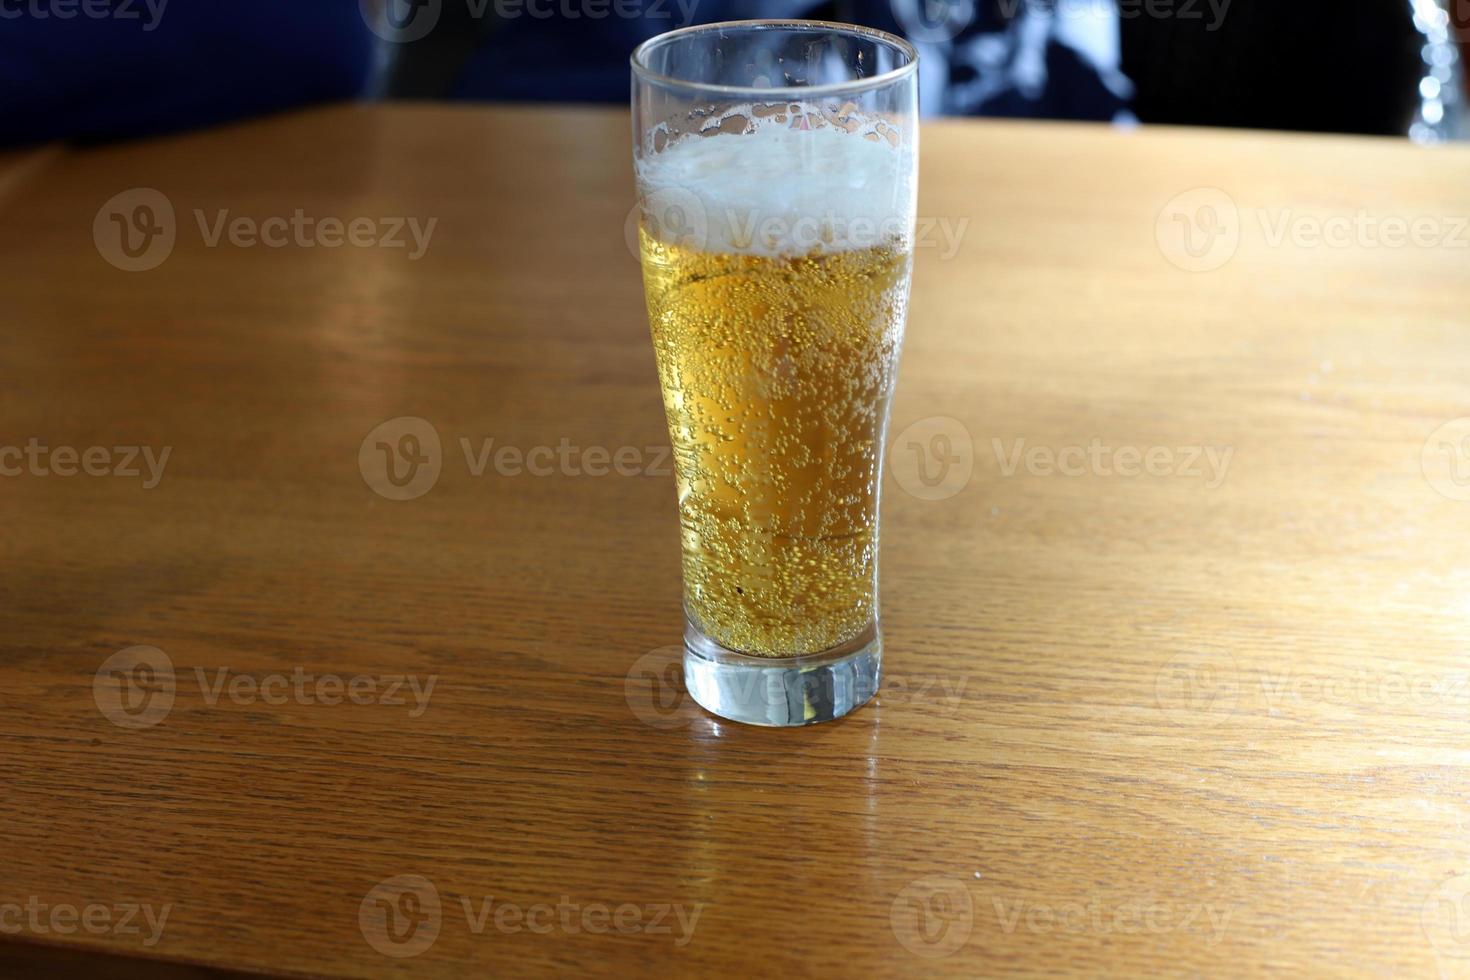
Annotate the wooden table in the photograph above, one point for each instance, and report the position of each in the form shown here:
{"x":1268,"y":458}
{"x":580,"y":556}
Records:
{"x":1206,"y":719}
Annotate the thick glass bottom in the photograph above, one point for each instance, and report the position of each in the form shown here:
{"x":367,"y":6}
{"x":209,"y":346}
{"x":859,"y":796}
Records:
{"x":782,"y":692}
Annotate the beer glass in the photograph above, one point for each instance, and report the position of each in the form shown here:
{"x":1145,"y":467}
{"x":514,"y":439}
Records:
{"x":777,"y":172}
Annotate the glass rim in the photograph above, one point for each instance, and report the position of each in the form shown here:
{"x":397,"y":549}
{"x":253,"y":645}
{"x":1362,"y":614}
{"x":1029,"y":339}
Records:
{"x":753,"y":93}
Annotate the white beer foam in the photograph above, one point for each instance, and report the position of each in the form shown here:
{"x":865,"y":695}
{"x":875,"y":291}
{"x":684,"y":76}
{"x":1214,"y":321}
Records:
{"x":780,"y":191}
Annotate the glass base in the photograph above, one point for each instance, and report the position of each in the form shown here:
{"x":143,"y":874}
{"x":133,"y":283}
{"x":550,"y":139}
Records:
{"x":782,"y":692}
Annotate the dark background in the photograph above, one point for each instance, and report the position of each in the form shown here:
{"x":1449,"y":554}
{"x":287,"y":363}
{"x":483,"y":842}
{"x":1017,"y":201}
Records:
{"x":110,"y":69}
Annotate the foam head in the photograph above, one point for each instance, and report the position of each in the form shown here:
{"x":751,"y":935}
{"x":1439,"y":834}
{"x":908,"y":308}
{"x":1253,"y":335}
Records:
{"x":806,"y":183}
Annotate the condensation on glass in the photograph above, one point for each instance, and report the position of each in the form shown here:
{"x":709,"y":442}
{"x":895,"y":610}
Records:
{"x":777,"y":170}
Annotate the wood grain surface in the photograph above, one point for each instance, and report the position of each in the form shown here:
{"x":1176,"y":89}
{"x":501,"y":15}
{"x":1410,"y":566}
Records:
{"x":1209,"y":719}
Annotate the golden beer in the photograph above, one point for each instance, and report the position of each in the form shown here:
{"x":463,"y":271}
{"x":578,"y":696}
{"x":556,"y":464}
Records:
{"x":777,"y":170}
{"x":776,"y":372}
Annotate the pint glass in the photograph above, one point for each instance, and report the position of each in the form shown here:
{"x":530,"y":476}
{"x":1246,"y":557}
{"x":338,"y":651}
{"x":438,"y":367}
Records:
{"x":777,"y":172}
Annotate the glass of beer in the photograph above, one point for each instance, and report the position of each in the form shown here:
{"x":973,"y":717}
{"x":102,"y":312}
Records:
{"x":777,"y":172}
